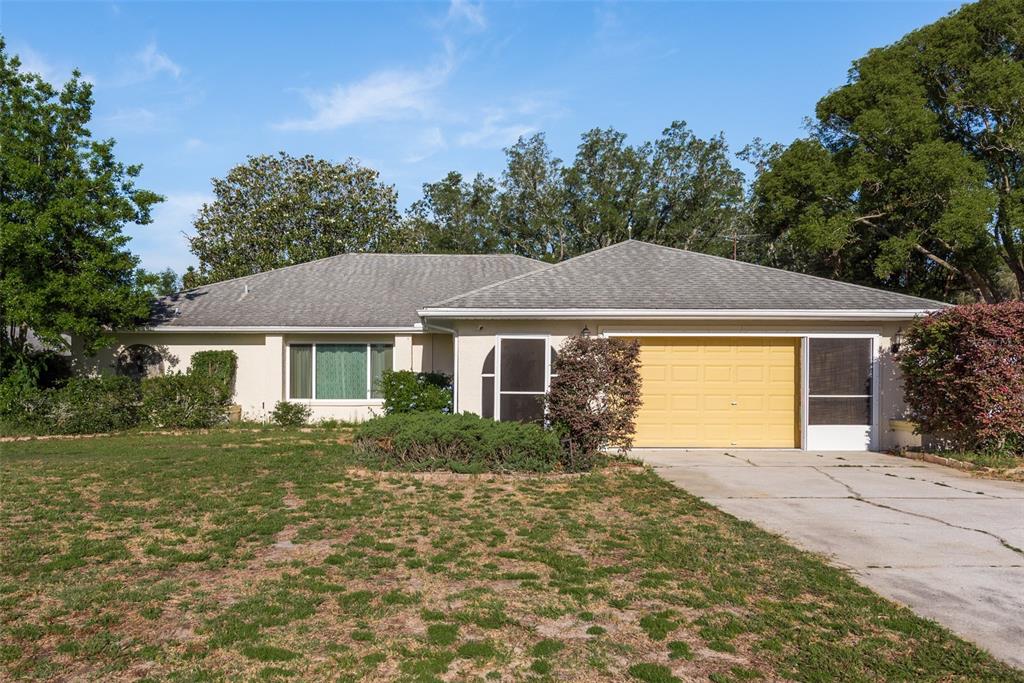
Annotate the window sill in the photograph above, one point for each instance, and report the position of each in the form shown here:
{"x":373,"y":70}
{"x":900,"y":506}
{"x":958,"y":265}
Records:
{"x":338,"y":401}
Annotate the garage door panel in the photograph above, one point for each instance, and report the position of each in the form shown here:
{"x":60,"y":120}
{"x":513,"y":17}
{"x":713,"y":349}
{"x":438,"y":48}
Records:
{"x":719,"y":392}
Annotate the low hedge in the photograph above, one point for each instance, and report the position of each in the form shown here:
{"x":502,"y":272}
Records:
{"x":83,"y":405}
{"x":182,"y":401}
{"x":459,"y":443}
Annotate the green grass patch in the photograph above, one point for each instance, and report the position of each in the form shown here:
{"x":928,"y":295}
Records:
{"x":165,"y":554}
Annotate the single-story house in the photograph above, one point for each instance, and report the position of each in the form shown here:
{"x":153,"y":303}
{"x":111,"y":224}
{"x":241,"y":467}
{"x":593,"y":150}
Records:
{"x":733,"y":355}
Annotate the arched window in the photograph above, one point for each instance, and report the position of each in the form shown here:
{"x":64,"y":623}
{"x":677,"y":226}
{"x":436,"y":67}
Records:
{"x":139,"y":361}
{"x":487,"y":386}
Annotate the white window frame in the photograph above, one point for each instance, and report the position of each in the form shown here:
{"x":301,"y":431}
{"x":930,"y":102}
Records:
{"x":333,"y":401}
{"x":497,"y":369}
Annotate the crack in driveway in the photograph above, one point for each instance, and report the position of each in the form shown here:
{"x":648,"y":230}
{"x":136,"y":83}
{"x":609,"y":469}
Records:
{"x":857,"y":496}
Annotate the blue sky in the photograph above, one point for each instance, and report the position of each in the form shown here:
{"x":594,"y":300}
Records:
{"x":417,"y":90}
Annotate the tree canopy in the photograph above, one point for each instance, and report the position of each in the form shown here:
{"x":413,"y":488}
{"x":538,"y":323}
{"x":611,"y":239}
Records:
{"x":278,"y":210}
{"x":679,"y":190}
{"x":913,"y":175}
{"x":64,"y":199}
{"x":273,"y":211}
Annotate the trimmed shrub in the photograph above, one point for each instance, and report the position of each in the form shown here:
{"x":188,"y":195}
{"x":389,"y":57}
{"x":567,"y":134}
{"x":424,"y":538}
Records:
{"x":963,"y":375}
{"x":183,"y":401}
{"x":594,"y":396}
{"x":416,"y":392}
{"x":288,"y":414}
{"x":460,"y":443}
{"x":84,"y":405}
{"x":219,"y":367}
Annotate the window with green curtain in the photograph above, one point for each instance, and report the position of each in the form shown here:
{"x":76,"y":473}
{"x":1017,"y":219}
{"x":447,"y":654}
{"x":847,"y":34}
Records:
{"x":380,"y":360}
{"x":340,"y":371}
{"x":300,"y":371}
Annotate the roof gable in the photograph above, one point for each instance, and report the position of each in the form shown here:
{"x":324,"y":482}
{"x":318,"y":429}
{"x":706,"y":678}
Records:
{"x":344,"y":291}
{"x":634,"y":275}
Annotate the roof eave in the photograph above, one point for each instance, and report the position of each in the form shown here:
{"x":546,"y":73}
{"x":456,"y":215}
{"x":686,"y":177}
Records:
{"x":673,"y":314}
{"x":260,"y":329}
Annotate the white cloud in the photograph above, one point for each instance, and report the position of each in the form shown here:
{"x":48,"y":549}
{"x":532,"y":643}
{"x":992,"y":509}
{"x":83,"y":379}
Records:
{"x":135,"y":119}
{"x":429,"y":142}
{"x":33,"y":62}
{"x":464,"y":10}
{"x":494,"y":132}
{"x":194,"y":144}
{"x":162,"y":243}
{"x":149,"y":63}
{"x":384,"y":95}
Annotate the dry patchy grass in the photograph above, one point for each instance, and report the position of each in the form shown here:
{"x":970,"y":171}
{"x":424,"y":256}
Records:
{"x":273,"y":555}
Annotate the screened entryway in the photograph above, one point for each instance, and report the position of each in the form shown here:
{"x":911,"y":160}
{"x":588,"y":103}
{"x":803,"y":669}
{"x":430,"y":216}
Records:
{"x":515,"y":377}
{"x":840,"y":392}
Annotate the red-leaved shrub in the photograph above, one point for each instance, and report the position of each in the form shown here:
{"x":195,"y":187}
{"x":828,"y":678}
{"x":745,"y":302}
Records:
{"x":963,"y":374}
{"x":594,"y":396}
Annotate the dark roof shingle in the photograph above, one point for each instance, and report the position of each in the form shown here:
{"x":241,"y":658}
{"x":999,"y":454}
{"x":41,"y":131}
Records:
{"x":349,"y":290}
{"x":644,"y":276}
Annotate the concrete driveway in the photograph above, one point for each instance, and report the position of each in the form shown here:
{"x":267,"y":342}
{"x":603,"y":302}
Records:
{"x":948,"y":545}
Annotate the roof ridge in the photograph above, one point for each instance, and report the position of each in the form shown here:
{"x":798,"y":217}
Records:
{"x":546,"y":268}
{"x":532,"y":272}
{"x":335,"y":256}
{"x":783,"y":270}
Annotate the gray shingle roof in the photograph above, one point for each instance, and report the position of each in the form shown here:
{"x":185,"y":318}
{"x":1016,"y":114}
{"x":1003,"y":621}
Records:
{"x":639,"y":275}
{"x":350,"y":290}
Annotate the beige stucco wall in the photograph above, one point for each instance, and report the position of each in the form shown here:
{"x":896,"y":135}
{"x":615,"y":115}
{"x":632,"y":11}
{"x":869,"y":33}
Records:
{"x":477,"y":337}
{"x":260,"y":381}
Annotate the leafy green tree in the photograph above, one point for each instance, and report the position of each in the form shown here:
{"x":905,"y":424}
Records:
{"x":679,"y":190}
{"x":696,"y":193}
{"x":531,"y":202}
{"x":913,"y":176}
{"x":604,"y":191}
{"x":158,"y":283}
{"x":64,"y":200}
{"x":453,"y":216}
{"x":274,"y":211}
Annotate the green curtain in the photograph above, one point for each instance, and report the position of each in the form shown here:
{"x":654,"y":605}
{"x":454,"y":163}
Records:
{"x":380,"y":360}
{"x":340,"y":371}
{"x":300,"y":371}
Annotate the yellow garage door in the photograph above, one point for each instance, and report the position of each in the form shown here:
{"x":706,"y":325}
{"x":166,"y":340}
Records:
{"x":718,"y":392}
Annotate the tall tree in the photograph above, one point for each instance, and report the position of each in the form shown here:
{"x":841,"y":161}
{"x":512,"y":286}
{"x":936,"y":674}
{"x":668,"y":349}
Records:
{"x":680,"y":190}
{"x":453,"y":216}
{"x":913,"y":176}
{"x":64,"y":200}
{"x":696,"y":192}
{"x":275,"y":211}
{"x":532,"y":200}
{"x":604,"y":190}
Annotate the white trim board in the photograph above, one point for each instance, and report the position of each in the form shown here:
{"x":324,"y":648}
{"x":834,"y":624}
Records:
{"x":418,"y":329}
{"x":672,"y":314}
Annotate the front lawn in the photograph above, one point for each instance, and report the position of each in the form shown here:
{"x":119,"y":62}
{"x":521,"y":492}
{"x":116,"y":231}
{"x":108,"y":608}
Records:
{"x":271,"y":554}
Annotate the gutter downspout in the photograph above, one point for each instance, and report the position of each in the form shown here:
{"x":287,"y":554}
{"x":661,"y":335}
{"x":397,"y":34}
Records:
{"x":455,"y":353}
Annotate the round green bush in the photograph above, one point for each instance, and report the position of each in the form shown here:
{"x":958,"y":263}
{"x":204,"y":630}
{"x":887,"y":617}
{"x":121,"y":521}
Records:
{"x":288,"y":414}
{"x":459,"y":443}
